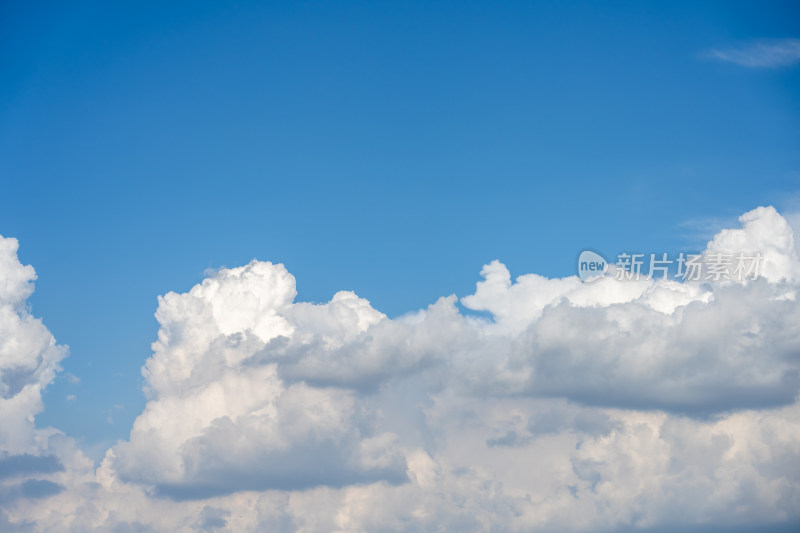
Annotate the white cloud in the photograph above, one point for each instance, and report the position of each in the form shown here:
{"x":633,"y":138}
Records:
{"x":575,"y":407}
{"x":218,"y":422}
{"x":35,"y":464}
{"x":29,"y":356}
{"x":762,"y":53}
{"x":767,"y":232}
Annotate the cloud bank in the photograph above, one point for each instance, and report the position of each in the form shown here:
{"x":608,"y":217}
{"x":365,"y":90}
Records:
{"x":612,"y":405}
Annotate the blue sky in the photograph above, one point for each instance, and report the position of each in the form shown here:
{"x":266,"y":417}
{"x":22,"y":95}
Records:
{"x":388,"y":148}
{"x":391,"y":149}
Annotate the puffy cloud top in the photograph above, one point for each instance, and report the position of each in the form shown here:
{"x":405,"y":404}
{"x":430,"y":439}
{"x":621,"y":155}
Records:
{"x":764,"y":231}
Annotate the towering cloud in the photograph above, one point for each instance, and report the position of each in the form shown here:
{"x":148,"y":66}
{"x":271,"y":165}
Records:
{"x":221,"y":419}
{"x":611,"y":404}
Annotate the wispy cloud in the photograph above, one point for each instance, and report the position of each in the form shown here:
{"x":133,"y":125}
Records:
{"x":696,"y":232}
{"x":761,"y":53}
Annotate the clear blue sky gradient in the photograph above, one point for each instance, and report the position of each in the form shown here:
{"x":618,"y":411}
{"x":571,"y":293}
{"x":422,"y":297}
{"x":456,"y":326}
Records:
{"x":387,"y":148}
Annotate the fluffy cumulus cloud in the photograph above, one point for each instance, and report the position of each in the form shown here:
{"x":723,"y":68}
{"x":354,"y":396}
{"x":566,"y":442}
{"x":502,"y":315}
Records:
{"x":564,"y":406}
{"x":32,"y":461}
